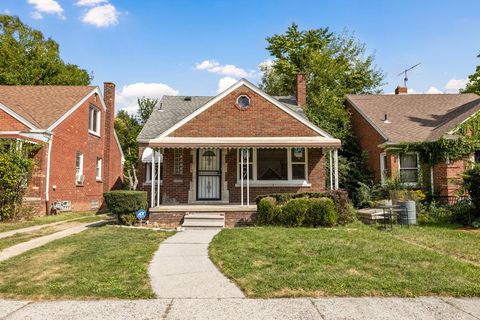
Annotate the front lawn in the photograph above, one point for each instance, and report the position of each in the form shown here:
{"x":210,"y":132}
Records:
{"x":353,"y":260}
{"x":7,"y":226}
{"x":102,"y":262}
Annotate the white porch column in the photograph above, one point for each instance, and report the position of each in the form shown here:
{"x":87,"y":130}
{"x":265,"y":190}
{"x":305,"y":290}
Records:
{"x":331,"y":168}
{"x":248,"y":177}
{"x":335,"y":152}
{"x":152,"y":182}
{"x":159,"y":180}
{"x":241,"y":175}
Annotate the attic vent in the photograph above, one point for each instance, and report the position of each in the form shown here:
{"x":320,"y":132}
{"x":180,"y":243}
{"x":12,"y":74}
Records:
{"x":385,"y":120}
{"x":187,"y":99}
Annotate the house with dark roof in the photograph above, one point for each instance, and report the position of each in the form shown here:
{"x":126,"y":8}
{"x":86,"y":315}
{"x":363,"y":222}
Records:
{"x":80,"y":156}
{"x":382,"y":122}
{"x":216,"y":154}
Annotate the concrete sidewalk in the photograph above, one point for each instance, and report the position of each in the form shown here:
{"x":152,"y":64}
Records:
{"x":248,"y":309}
{"x":181,"y":268}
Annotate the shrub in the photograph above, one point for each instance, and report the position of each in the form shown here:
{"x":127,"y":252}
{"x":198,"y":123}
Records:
{"x":339,"y":197}
{"x":322,"y":212}
{"x":124,"y":203}
{"x":471,"y":182}
{"x":293,"y":214}
{"x":15,"y":172}
{"x":267,"y":211}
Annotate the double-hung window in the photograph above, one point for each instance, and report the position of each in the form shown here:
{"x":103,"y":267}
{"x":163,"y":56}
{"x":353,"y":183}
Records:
{"x":94,"y":120}
{"x":148,"y":173}
{"x":409,"y":167}
{"x":79,"y":177}
{"x":268,"y":166}
{"x":98,"y":170}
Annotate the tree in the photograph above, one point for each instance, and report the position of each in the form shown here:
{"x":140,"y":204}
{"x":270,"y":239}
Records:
{"x":473,"y":85}
{"x":128,"y":128}
{"x":145,"y":109}
{"x":335,"y":65}
{"x":27,"y":58}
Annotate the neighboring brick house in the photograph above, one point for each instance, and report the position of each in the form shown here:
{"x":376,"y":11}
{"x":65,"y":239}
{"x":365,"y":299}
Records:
{"x":199,"y":142}
{"x":80,"y":157}
{"x":383,"y":121}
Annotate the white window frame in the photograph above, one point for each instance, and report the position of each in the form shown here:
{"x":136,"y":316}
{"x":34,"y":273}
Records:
{"x":148,"y":174}
{"x":94,"y":128}
{"x":289,"y":182}
{"x":417,"y":168}
{"x":79,"y":176}
{"x":383,"y":167}
{"x":98,"y":169}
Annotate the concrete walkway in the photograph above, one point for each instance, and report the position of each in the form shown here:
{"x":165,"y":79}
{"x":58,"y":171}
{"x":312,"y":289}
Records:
{"x":40,"y":241}
{"x":248,"y":309}
{"x":181,"y":268}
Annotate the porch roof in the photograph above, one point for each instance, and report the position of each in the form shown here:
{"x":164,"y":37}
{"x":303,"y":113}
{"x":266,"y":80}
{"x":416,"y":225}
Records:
{"x":242,"y":142}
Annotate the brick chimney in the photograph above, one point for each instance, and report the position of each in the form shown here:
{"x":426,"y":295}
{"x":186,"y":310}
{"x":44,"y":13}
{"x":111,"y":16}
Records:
{"x":401,"y":90}
{"x":301,"y":90}
{"x":109,"y":98}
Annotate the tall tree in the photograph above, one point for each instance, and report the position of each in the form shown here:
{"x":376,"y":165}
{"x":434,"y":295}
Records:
{"x":128,"y":128}
{"x":27,"y":58}
{"x":335,"y":65}
{"x":145,"y":108}
{"x":473,"y":85}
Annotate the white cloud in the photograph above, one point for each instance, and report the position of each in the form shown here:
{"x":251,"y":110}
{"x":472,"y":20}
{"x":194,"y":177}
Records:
{"x":102,"y":16}
{"x":90,"y":3}
{"x":36,"y":15}
{"x":456,"y":84}
{"x":226,"y":70}
{"x":127,"y":97}
{"x":6,"y":11}
{"x":225,"y":83}
{"x":46,"y":6}
{"x":433,"y":90}
{"x":411,"y":91}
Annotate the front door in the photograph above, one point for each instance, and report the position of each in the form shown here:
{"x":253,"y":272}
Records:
{"x":209,"y":174}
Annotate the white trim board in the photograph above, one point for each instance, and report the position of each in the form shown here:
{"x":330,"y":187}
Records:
{"x":248,"y":84}
{"x":374,"y":126}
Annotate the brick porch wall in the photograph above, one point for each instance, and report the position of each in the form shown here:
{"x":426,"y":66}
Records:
{"x":175,"y":219}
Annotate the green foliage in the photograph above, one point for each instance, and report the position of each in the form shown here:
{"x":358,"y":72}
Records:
{"x":27,"y":58}
{"x":124,"y":203}
{"x":267,"y":211}
{"x":322,"y":212}
{"x":293,"y":213}
{"x":473,"y":85}
{"x":15,"y":172}
{"x":471,"y":182}
{"x":461,"y":212}
{"x":145,"y":109}
{"x":335,"y":65}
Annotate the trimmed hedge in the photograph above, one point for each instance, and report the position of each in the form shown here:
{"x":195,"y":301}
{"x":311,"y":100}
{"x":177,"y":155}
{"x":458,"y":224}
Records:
{"x":346,"y":213}
{"x":124,"y":203}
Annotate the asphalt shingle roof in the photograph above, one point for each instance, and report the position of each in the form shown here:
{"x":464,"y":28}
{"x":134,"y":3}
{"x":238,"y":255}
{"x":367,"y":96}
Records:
{"x":416,"y":117}
{"x":173,"y":109}
{"x":42,"y":105}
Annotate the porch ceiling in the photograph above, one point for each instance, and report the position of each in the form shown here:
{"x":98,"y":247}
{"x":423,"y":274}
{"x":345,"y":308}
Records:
{"x":242,"y":142}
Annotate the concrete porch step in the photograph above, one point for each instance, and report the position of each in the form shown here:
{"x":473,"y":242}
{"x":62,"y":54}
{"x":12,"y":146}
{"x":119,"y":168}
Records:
{"x":204,"y":221}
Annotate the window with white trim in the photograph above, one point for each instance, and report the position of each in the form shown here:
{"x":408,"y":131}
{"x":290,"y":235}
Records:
{"x":94,"y":120}
{"x":275,"y":165}
{"x":409,"y":166}
{"x":79,"y":177}
{"x":148,"y":173}
{"x":178,"y":162}
{"x":98,"y":169}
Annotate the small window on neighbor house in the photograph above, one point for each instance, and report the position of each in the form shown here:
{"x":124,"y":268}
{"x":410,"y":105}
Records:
{"x":98,"y":169}
{"x":94,"y":120}
{"x":178,"y":162}
{"x":79,"y":177}
{"x":409,"y":168}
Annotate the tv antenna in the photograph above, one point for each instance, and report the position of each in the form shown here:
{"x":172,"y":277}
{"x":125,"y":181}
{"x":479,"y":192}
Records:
{"x":405,"y":73}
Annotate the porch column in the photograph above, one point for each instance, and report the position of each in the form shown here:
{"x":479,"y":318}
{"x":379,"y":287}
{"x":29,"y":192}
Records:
{"x":152,"y":182}
{"x":248,"y":177}
{"x":335,"y":153}
{"x":241,"y":175}
{"x":159,"y":180}
{"x":331,"y":168}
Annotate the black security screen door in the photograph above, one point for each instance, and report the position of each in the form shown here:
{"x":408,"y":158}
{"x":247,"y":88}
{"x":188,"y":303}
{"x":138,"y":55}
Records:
{"x":209,"y":174}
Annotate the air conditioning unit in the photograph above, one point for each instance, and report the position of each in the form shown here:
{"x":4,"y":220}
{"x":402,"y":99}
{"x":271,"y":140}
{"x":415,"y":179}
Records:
{"x":80,"y":178}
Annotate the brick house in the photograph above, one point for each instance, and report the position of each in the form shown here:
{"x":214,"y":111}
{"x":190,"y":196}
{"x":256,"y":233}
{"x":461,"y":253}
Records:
{"x":80,"y":157}
{"x":218,"y":153}
{"x":383,"y":121}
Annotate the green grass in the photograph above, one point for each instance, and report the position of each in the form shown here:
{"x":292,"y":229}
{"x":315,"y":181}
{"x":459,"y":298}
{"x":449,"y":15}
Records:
{"x":102,"y":262}
{"x":7,"y":226}
{"x":449,"y":240}
{"x":354,"y":260}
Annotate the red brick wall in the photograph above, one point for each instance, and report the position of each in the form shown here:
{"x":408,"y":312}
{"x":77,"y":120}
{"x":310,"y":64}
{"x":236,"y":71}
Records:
{"x":175,"y":187}
{"x":175,"y":219}
{"x":369,"y":139}
{"x":448,"y":176}
{"x":9,"y":123}
{"x":262,"y":118}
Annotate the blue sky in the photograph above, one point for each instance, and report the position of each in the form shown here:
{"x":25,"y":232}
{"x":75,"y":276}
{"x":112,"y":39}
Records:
{"x":194,"y":47}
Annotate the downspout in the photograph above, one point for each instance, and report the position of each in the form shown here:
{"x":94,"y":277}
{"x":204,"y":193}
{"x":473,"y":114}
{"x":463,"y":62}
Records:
{"x":47,"y":179}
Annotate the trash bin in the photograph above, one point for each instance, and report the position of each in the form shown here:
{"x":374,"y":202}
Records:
{"x":409,"y":215}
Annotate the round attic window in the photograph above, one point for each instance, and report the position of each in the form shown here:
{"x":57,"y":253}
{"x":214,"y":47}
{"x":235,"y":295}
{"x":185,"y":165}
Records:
{"x":243,"y":101}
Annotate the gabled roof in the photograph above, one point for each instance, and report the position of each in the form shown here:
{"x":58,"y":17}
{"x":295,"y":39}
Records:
{"x":174,"y":111}
{"x":41,"y":106}
{"x":415,"y":117}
